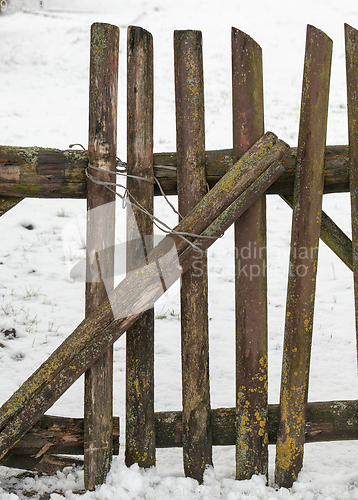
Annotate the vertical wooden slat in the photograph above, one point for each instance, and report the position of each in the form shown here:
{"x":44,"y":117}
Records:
{"x":189,"y":96}
{"x":102,"y":145}
{"x":351,"y":39}
{"x":250,"y":267}
{"x":140,"y":435}
{"x":303,"y":257}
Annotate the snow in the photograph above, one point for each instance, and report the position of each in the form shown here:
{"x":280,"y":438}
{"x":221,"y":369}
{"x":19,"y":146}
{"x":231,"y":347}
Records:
{"x":44,"y":60}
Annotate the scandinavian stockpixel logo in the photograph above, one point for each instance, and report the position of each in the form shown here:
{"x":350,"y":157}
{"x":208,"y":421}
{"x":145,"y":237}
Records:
{"x":77,"y":260}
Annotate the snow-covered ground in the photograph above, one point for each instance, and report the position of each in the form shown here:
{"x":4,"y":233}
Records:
{"x":44,"y":58}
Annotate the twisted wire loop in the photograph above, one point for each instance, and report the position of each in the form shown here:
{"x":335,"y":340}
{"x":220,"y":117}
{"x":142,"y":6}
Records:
{"x":121,"y":170}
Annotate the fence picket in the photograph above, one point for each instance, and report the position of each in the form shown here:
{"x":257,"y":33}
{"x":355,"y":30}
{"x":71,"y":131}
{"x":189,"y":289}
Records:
{"x":351,"y":42}
{"x":325,"y":421}
{"x":250,"y":253}
{"x":303,"y":257}
{"x":102,"y":147}
{"x":8,"y":202}
{"x":140,"y":436}
{"x":191,"y":179}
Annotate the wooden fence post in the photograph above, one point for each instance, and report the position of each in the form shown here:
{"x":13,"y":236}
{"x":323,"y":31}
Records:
{"x":102,"y":146}
{"x":303,"y":257}
{"x":250,"y":269}
{"x":189,"y":98}
{"x":351,"y":41}
{"x":140,"y":435}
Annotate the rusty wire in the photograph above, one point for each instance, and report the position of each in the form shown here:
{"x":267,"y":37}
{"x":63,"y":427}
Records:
{"x":121,"y":170}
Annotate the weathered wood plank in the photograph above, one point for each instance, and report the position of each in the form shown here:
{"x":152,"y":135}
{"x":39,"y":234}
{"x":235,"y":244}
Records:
{"x":191,"y":181}
{"x":102,"y":147}
{"x":246,"y":181}
{"x":251,"y":286}
{"x":303,"y":257}
{"x":351,"y":42}
{"x":140,"y":436}
{"x":51,"y":173}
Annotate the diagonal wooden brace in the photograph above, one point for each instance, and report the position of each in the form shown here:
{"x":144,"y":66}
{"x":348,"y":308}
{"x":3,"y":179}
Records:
{"x":332,"y":236}
{"x":230,"y":197}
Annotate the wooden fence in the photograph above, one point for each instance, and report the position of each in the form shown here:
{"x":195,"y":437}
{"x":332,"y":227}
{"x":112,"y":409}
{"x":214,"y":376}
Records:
{"x":239,"y":180}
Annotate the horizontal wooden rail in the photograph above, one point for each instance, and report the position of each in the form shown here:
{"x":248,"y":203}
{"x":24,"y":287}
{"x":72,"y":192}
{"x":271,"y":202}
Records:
{"x":332,"y":236}
{"x":52,"y":173}
{"x":325,"y":421}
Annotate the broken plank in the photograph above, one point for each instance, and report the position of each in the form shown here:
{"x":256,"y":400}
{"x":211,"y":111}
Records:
{"x":65,"y":435}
